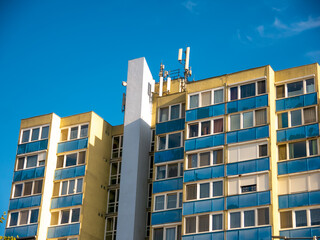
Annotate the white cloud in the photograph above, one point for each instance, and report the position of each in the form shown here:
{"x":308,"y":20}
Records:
{"x":190,"y":5}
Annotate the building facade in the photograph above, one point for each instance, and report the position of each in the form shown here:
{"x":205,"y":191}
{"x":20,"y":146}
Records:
{"x":229,"y":157}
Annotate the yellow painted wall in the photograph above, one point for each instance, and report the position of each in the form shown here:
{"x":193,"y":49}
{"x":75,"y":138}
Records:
{"x":296,"y":72}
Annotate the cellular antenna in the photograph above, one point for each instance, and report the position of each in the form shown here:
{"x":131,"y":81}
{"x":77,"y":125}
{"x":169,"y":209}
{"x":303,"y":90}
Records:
{"x":187,"y":68}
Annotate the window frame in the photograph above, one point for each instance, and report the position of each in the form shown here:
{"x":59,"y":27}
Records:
{"x":303,"y":79}
{"x":211,"y":120}
{"x":212,"y":93}
{"x":112,"y":232}
{"x":179,"y":174}
{"x":71,"y":153}
{"x":29,"y":155}
{"x":164,"y":229}
{"x":165,"y":195}
{"x":78,"y":132}
{"x":247,"y":83}
{"x":210,"y":222}
{"x":19,"y":219}
{"x":302,"y":117}
{"x":181,"y":112}
{"x":198,"y":158}
{"x":68,"y":186}
{"x":116,"y":176}
{"x":118,"y":150}
{"x":293,"y":216}
{"x":70,"y":216}
{"x":114,"y":204}
{"x":23,"y":187}
{"x":254,"y":124}
{"x":292,"y":142}
{"x":167,"y":140}
{"x":31,"y":131}
{"x":210,"y":189}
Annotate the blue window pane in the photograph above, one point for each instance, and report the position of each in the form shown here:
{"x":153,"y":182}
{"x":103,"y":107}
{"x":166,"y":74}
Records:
{"x":283,"y":120}
{"x":79,"y":185}
{"x":297,"y":149}
{"x":158,"y":234}
{"x":235,"y":122}
{"x":161,"y":172}
{"x":174,"y":140}
{"x":14,"y":219}
{"x":248,"y":90}
{"x":233,"y":93}
{"x":217,"y":189}
{"x":25,"y":136}
{"x":217,"y":222}
{"x":295,"y":88}
{"x":249,"y":218}
{"x":296,"y":118}
{"x":71,"y":160}
{"x":310,"y":85}
{"x":235,"y":220}
{"x":301,"y":218}
{"x":204,"y":190}
{"x":75,"y":215}
{"x":218,"y":96}
{"x":34,"y":216}
{"x":159,"y":203}
{"x":171,"y":201}
{"x":175,"y":110}
{"x":45,"y":132}
{"x":194,"y":101}
{"x":84,"y":131}
{"x":74,"y":133}
{"x":315,"y":216}
{"x":162,"y":143}
{"x":32,"y":161}
{"x":171,"y":233}
{"x":35,"y":134}
{"x":247,"y":119}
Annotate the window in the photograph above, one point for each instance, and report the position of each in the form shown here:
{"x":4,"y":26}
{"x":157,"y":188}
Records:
{"x":204,"y":190}
{"x":113,"y":200}
{"x":27,"y":188}
{"x":68,"y":216}
{"x":151,"y":161}
{"x":168,"y":201}
{"x":247,"y":90}
{"x":34,"y":134}
{"x":248,"y":151}
{"x":204,"y":223}
{"x":300,"y":218}
{"x":206,"y":98}
{"x":31,"y":161}
{"x":153,"y":136}
{"x":297,"y":117}
{"x":205,"y":159}
{"x":171,"y":112}
{"x":168,"y":141}
{"x":74,"y":132}
{"x":247,"y":119}
{"x":72,"y":186}
{"x":298,"y":149}
{"x":117,"y":144}
{"x":111,"y":228}
{"x":70,"y":160}
{"x":204,"y":128}
{"x":115,"y":172}
{"x":23,"y":217}
{"x":249,"y":218}
{"x":295,"y":88}
{"x":171,"y":170}
{"x":248,"y":183}
{"x":167,"y":233}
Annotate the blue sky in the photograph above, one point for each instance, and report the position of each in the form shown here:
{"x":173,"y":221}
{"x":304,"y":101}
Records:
{"x":70,"y":57}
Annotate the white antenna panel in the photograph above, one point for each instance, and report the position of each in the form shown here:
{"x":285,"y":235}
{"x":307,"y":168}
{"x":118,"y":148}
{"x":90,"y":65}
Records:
{"x":160,"y":86}
{"x":186,"y":66}
{"x":168,"y":84}
{"x":180,"y":55}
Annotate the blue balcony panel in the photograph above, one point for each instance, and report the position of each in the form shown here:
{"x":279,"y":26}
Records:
{"x":70,"y":172}
{"x":63,"y":231}
{"x":203,"y":206}
{"x":301,"y":232}
{"x":295,"y":102}
{"x":205,"y":112}
{"x":32,"y":147}
{"x":205,"y":236}
{"x":248,"y":134}
{"x":300,"y":165}
{"x":249,"y":166}
{"x":299,"y":199}
{"x":170,"y":126}
{"x":22,"y":231}
{"x":248,"y":103}
{"x":24,"y":202}
{"x":167,"y":185}
{"x":261,"y":233}
{"x":72,"y":145}
{"x":28,"y":174}
{"x":204,"y":142}
{"x":248,"y":200}
{"x":298,"y":132}
{"x":66,"y":201}
{"x":203,"y":173}
{"x":163,"y":217}
{"x":169,"y":155}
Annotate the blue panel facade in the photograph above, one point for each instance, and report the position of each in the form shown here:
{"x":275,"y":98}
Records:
{"x":66,"y":201}
{"x":64,"y":231}
{"x":72,"y":145}
{"x":163,"y":217}
{"x":301,"y":165}
{"x":205,"y":112}
{"x":202,"y":206}
{"x":170,"y":126}
{"x":299,"y":199}
{"x":248,"y":103}
{"x":32,"y":147}
{"x":167,"y":185}
{"x":298,"y":132}
{"x":204,"y":142}
{"x":28,"y":174}
{"x":249,"y":166}
{"x":169,"y":155}
{"x":205,"y":236}
{"x":301,"y":232}
{"x":22,"y":231}
{"x":70,"y":172}
{"x":248,"y":134}
{"x":295,"y":102}
{"x":248,"y":200}
{"x":203,"y":173}
{"x":24,"y":202}
{"x":261,"y":233}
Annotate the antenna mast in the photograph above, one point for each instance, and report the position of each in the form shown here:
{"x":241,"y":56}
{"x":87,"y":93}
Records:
{"x":187,"y":69}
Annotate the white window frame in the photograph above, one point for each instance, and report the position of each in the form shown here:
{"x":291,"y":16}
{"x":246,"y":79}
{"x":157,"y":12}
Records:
{"x":117,"y":175}
{"x":242,"y":217}
{"x":210,"y":222}
{"x":167,"y":140}
{"x":68,"y":186}
{"x":179,"y":198}
{"x":78,"y":133}
{"x":302,"y":116}
{"x":246,"y":83}
{"x":165,"y":227}
{"x":112,"y":232}
{"x":181,"y":112}
{"x":241,"y":119}
{"x":211,"y":120}
{"x":25,"y":160}
{"x":114,"y":204}
{"x":198,"y":158}
{"x":29,"y":216}
{"x":180,"y":174}
{"x":210,"y":189}
{"x":293,"y":214}
{"x":307,"y":149}
{"x":23,"y":186}
{"x":78,"y":164}
{"x":119,"y":149}
{"x":211,"y":100}
{"x":30,"y":134}
{"x":303,"y":79}
{"x":70,"y":216}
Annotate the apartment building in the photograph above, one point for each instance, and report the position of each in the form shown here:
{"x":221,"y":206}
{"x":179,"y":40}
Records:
{"x":229,"y":157}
